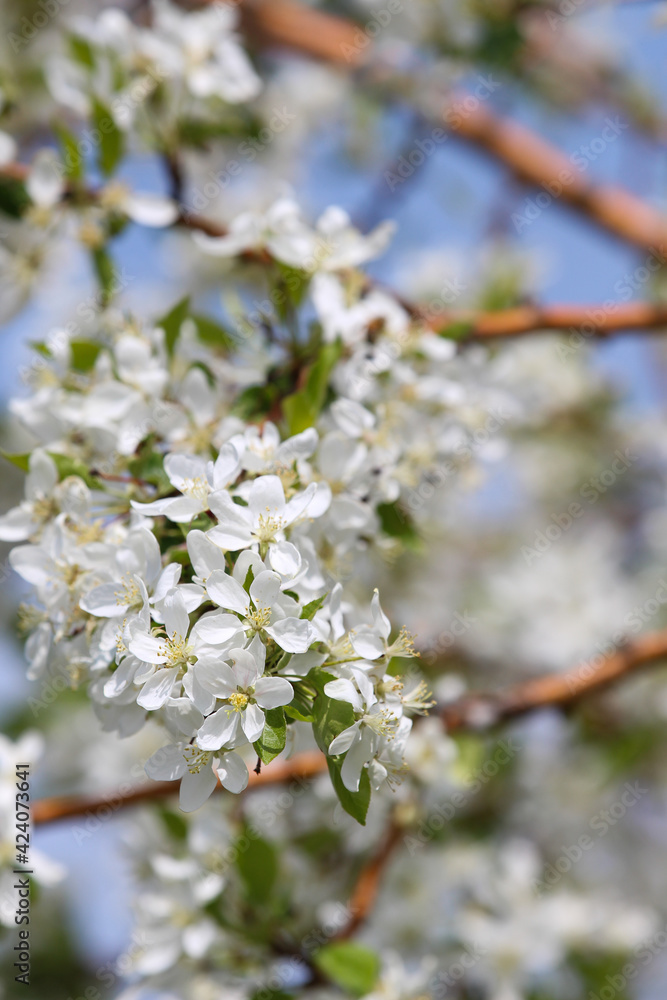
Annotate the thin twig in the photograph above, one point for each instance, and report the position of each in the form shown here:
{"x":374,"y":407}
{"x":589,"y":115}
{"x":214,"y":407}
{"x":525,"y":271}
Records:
{"x":481,"y":711}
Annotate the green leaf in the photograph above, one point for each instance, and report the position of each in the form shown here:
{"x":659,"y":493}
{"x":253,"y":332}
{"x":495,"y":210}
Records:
{"x":331,"y":717}
{"x":112,"y":141}
{"x":354,"y":803}
{"x":70,"y":153}
{"x":20,"y":460}
{"x":68,"y":466}
{"x":105,"y":272}
{"x":211,"y":333}
{"x":81,"y":51}
{"x":459,"y":330}
{"x":84,"y":354}
{"x":268,"y":993}
{"x":397,"y":524}
{"x":14,"y":198}
{"x":148,"y":465}
{"x":172,"y":321}
{"x":349,"y":965}
{"x":175,"y":824}
{"x":257,"y":863}
{"x":273,"y":739}
{"x":302,"y":408}
{"x":311,"y":609}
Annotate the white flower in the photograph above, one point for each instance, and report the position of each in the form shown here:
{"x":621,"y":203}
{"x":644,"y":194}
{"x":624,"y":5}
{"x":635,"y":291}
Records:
{"x":152,"y":210}
{"x":199,"y":772}
{"x":264,"y":609}
{"x":40,"y":504}
{"x":168,"y":655}
{"x":246,"y":691}
{"x":334,"y":244}
{"x":266,"y":517}
{"x":371,"y":641}
{"x":361,"y":741}
{"x":196,"y":479}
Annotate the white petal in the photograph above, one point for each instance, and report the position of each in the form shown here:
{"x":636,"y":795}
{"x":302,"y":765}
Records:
{"x":226,"y":592}
{"x":246,"y":668}
{"x":103,"y":602}
{"x":344,"y":690}
{"x":167,"y":764}
{"x":264,"y":589}
{"x":253,"y":721}
{"x":215,"y":628}
{"x":148,"y":648}
{"x":358,"y":755}
{"x":233,"y":773}
{"x":266,"y":496}
{"x":196,"y":788}
{"x":42,"y":477}
{"x":345,"y":739}
{"x":157,"y":689}
{"x":366,"y":643}
{"x":294,"y":635}
{"x":204,"y":554}
{"x":270,"y":692}
{"x":285,"y":559}
{"x":226,"y":466}
{"x":176,"y":619}
{"x":218,"y":678}
{"x":151,"y":210}
{"x":218,"y":729}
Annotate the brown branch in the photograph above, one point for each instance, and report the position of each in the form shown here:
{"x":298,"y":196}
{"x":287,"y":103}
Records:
{"x":368,"y":883}
{"x":300,"y":767}
{"x":593,"y":320}
{"x":481,"y":711}
{"x":537,"y":162}
{"x":529,"y":157}
{"x":473,"y":712}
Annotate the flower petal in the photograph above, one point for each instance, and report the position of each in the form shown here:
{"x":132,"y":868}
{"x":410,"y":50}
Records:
{"x":196,"y":788}
{"x":233,"y":773}
{"x":270,"y":692}
{"x":167,"y":764}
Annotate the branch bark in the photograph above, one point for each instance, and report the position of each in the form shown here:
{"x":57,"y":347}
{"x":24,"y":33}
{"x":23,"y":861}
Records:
{"x":528,"y":156}
{"x":475,"y":712}
{"x":482,"y":711}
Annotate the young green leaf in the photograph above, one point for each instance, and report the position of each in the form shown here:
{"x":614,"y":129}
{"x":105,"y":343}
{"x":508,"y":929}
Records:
{"x":172,"y":321}
{"x":349,"y":965}
{"x":354,"y":803}
{"x":112,"y":140}
{"x":257,"y":863}
{"x":273,"y":739}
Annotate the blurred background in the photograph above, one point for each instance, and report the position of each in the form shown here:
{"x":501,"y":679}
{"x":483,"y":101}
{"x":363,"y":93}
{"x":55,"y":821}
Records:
{"x":469,"y":234}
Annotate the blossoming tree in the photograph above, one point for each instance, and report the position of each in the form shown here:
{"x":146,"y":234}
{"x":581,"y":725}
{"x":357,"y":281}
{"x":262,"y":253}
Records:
{"x":267,"y":598}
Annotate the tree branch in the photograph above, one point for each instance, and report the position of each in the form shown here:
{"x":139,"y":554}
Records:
{"x":473,"y":712}
{"x":481,"y":711}
{"x":529,"y":157}
{"x":300,"y":767}
{"x":368,"y":883}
